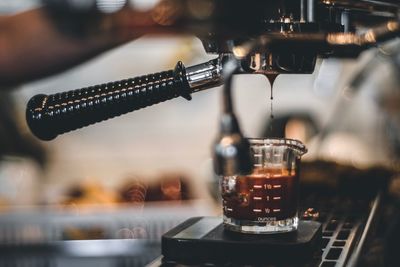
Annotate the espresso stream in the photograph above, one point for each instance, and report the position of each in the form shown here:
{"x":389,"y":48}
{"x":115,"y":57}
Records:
{"x":271,"y":78}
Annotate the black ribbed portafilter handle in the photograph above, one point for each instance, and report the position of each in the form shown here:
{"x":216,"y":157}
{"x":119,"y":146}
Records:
{"x":51,"y":115}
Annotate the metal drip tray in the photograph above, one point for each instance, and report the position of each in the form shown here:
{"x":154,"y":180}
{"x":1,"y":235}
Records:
{"x":346,"y":222}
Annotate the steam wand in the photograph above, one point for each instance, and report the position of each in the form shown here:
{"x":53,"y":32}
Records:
{"x":231,"y":150}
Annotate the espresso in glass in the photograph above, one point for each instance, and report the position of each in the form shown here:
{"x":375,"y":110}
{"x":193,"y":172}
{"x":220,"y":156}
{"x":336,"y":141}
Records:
{"x":266,"y":200}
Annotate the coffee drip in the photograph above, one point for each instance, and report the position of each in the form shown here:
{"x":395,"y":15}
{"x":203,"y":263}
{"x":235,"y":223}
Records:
{"x":271,"y":78}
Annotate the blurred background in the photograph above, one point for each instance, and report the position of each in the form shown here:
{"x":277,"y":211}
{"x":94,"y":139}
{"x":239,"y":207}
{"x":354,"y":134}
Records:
{"x":132,"y":165}
{"x":175,"y":138}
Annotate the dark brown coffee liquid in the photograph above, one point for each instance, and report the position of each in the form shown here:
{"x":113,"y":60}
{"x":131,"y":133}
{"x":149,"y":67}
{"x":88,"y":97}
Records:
{"x":271,"y":78}
{"x":265,"y":195}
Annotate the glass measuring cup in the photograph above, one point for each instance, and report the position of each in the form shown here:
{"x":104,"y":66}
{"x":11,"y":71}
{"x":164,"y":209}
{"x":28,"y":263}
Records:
{"x":266,"y":200}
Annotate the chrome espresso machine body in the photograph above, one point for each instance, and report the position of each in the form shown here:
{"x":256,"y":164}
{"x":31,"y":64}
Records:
{"x":254,"y":36}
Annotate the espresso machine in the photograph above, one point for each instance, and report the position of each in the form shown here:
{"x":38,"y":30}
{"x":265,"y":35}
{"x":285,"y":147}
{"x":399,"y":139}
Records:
{"x":281,"y":37}
{"x":252,"y":37}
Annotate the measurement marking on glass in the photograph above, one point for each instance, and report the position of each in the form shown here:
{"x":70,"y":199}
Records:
{"x":277,"y":198}
{"x":277,"y":186}
{"x":257,"y":155}
{"x":257,"y":210}
{"x":229,"y":209}
{"x":257,"y":198}
{"x":257,"y":186}
{"x":258,"y":165}
{"x":276,"y":210}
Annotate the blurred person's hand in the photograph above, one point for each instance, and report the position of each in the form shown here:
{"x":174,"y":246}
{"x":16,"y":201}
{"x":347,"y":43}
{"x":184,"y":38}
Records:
{"x":32,"y":46}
